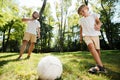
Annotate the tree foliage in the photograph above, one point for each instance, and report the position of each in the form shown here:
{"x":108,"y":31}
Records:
{"x":110,"y":28}
{"x":59,"y":27}
{"x":9,"y":24}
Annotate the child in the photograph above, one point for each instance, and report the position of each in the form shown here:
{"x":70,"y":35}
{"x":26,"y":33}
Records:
{"x":32,"y":31}
{"x":90,"y":32}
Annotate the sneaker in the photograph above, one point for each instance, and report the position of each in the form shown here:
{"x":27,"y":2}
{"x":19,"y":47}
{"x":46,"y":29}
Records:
{"x":101,"y":69}
{"x":97,"y":69}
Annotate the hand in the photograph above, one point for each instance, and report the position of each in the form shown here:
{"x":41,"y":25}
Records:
{"x":38,"y":36}
{"x":97,"y":27}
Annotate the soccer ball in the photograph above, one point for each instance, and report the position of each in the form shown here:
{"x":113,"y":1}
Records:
{"x":49,"y":68}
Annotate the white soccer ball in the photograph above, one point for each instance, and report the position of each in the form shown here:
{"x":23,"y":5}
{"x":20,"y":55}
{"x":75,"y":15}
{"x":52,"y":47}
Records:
{"x":49,"y":68}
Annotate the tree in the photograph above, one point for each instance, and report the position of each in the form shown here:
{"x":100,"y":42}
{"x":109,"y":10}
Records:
{"x":106,"y":9}
{"x":9,"y":11}
{"x":107,"y":12}
{"x":62,"y":18}
{"x":46,"y":29}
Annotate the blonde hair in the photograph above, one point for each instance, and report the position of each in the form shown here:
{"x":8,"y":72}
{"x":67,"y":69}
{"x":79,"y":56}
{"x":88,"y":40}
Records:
{"x":81,"y":7}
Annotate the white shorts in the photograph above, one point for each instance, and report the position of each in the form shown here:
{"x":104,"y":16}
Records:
{"x":92,"y":39}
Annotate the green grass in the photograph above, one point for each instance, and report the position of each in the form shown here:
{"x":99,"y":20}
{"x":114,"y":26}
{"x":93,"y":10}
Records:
{"x":75,"y":66}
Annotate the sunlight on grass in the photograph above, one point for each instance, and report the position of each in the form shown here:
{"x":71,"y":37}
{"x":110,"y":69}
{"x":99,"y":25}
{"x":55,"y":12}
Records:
{"x":75,"y":66}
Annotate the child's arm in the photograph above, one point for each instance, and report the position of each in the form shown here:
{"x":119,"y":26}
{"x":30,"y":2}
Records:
{"x":98,"y":24}
{"x":25,"y":19}
{"x":80,"y":34}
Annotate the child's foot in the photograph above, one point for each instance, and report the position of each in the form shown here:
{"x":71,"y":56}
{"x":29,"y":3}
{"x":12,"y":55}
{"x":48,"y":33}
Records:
{"x":28,"y":57}
{"x":97,"y":69}
{"x":19,"y":58}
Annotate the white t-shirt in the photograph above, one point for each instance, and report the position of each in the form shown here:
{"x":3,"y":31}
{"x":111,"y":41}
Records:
{"x":88,"y":24}
{"x":32,"y":26}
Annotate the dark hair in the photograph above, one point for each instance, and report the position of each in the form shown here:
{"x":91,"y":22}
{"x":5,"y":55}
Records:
{"x":81,"y":7}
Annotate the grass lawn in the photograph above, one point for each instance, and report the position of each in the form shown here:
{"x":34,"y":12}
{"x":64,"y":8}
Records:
{"x":75,"y":66}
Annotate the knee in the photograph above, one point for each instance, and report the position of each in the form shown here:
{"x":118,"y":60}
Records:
{"x":91,"y":46}
{"x":32,"y":43}
{"x":25,"y":42}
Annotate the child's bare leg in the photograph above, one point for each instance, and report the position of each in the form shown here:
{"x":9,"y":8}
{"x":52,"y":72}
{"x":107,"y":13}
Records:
{"x":95,"y":54}
{"x":31,"y":47}
{"x":22,"y":49}
{"x":98,"y":50}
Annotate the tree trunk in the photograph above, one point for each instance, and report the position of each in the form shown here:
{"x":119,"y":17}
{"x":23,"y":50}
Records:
{"x":60,"y":31}
{"x":86,"y":2}
{"x":3,"y":42}
{"x":42,"y":10}
{"x":40,"y":19}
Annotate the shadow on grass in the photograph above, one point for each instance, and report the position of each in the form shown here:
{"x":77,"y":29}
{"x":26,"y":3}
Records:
{"x":112,"y":74}
{"x":8,"y":55}
{"x":55,"y":79}
{"x":3,"y":62}
{"x":111,"y":57}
